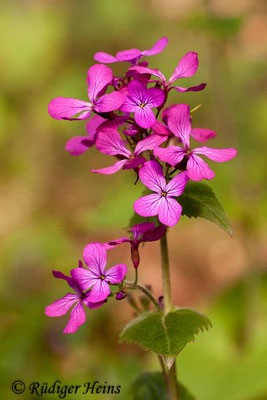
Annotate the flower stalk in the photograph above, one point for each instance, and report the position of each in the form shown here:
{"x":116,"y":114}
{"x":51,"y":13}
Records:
{"x":172,"y":386}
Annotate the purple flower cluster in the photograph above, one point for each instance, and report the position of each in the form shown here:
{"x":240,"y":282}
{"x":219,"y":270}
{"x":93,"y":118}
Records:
{"x":125,"y":124}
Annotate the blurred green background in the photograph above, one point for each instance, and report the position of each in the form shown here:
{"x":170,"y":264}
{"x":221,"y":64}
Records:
{"x":52,"y":205}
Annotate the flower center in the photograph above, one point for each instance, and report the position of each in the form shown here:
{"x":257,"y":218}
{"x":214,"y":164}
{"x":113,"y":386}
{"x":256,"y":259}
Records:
{"x":102,"y":277}
{"x":164,"y":194}
{"x":142,"y":105}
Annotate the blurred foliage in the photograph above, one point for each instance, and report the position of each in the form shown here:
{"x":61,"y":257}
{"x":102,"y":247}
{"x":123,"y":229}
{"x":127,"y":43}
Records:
{"x":52,"y":205}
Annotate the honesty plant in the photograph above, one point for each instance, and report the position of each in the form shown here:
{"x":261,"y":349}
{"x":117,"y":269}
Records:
{"x":133,"y":124}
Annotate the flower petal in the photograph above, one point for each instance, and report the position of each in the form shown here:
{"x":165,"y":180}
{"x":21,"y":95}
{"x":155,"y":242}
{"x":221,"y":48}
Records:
{"x":109,"y":102}
{"x":110,"y":142}
{"x":61,"y":306}
{"x":160,"y":129}
{"x":147,"y":206}
{"x":137,"y":91}
{"x":158,"y":47}
{"x":67,"y":108}
{"x":104,"y":58}
{"x":144,"y":117}
{"x":85,"y":278}
{"x":186,"y":68}
{"x":172,"y":154}
{"x":77,"y":318}
{"x":176,"y":186}
{"x":196,"y":88}
{"x":128,"y":55}
{"x":100,"y":291}
{"x":116,"y":274}
{"x":95,"y":257}
{"x":139,"y":229}
{"x":197,"y":169}
{"x":145,"y":70}
{"x":202,"y":134}
{"x":152,"y":177}
{"x":111,"y":170}
{"x":179,"y":122}
{"x":154,"y":97}
{"x":169,"y":211}
{"x":134,"y":163}
{"x":115,"y":243}
{"x":149,"y":143}
{"x":99,"y":76}
{"x":219,"y":155}
{"x":92,"y":125}
{"x":154,"y":235}
{"x":78,"y":145}
{"x":68,"y":279}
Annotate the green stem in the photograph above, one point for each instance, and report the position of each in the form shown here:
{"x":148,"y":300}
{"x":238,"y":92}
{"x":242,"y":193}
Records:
{"x":166,"y":280}
{"x":145,"y":291}
{"x":172,"y":386}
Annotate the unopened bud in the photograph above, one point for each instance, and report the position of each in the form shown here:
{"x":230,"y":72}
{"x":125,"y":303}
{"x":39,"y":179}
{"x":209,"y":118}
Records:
{"x":121,"y":295}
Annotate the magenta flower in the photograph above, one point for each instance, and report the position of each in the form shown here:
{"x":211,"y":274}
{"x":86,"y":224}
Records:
{"x":145,"y":232}
{"x":186,"y":68}
{"x":179,"y":123}
{"x":140,"y":100}
{"x":80,"y":144}
{"x":61,"y":306}
{"x":99,"y":76}
{"x":162,"y":202}
{"x":131,"y":55}
{"x":110,"y":142}
{"x":95,"y":257}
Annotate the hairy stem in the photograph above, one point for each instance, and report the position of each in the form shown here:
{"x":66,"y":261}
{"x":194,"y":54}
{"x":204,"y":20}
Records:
{"x":145,"y":291}
{"x":172,"y":387}
{"x":166,"y":280}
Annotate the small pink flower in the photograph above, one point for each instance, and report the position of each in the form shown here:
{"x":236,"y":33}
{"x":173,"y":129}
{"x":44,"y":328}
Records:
{"x":162,"y":202}
{"x":96,"y":277}
{"x":131,"y":55}
{"x":99,"y":76}
{"x":186,"y":68}
{"x":140,"y":101}
{"x":61,"y":306}
{"x":180,"y":124}
{"x":110,"y":142}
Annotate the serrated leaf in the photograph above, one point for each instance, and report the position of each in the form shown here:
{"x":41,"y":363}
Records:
{"x":199,"y":200}
{"x":166,"y":334}
{"x":151,"y":386}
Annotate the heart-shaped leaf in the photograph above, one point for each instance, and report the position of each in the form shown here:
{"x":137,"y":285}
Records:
{"x":199,"y":200}
{"x":166,"y":334}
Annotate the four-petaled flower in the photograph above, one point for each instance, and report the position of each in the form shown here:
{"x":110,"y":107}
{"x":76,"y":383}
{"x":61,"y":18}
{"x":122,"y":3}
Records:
{"x":61,"y":306}
{"x":99,"y":76}
{"x":96,"y":277}
{"x":140,"y":100}
{"x":161,"y":203}
{"x":186,"y":68}
{"x":110,"y":142}
{"x":180,"y":124}
{"x":131,"y":55}
{"x":144,"y":232}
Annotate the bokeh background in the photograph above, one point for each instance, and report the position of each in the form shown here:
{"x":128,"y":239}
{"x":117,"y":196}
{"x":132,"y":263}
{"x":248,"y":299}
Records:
{"x":51,"y":205}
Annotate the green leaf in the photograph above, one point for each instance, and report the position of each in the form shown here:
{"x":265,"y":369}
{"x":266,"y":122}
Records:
{"x":167,"y":334}
{"x":151,"y":386}
{"x":198,"y":200}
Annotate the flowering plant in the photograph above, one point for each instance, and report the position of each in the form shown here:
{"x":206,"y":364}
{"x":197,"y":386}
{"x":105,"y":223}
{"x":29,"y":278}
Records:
{"x":126,"y":125}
